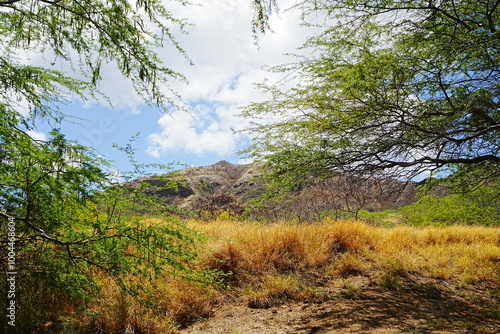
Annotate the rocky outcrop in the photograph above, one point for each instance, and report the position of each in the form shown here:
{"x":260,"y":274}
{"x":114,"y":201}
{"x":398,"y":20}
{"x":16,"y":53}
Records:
{"x":190,"y":184}
{"x":241,"y":181}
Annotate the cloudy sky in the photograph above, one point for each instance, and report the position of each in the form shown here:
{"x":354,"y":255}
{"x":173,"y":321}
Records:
{"x":227,"y":63}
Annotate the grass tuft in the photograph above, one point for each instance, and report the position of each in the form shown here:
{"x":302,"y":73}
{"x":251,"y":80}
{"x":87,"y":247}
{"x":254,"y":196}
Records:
{"x":276,"y":289}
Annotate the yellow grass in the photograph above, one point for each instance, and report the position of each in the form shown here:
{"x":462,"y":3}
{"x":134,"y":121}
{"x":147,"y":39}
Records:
{"x":353,"y":246}
{"x":269,"y":264}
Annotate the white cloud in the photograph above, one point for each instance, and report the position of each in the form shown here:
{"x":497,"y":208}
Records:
{"x":227,"y":64}
{"x":117,"y":90}
{"x":36,"y":135}
{"x":205,"y":130}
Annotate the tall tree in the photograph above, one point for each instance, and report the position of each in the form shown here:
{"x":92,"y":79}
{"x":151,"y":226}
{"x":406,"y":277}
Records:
{"x":62,"y":219}
{"x":394,"y":87}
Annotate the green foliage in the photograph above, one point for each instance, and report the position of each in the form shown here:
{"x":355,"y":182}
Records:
{"x":395,"y":87}
{"x":386,"y":218}
{"x":85,"y":34}
{"x":73,"y":226}
{"x":480,"y":207}
{"x":260,"y":20}
{"x":74,"y":223}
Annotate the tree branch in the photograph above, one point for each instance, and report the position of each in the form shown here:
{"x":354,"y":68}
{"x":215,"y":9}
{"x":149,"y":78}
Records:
{"x":489,"y":16}
{"x":437,"y":161}
{"x":51,"y":2}
{"x":8,"y":2}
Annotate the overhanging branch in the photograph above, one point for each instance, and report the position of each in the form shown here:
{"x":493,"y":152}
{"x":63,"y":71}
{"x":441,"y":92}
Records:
{"x":437,"y":161}
{"x":86,"y":240}
{"x":8,"y":2}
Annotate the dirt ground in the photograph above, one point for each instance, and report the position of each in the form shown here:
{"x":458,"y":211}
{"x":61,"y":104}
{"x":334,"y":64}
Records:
{"x":357,"y":305}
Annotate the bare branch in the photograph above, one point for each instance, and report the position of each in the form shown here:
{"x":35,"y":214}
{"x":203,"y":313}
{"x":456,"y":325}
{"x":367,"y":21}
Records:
{"x":8,"y":2}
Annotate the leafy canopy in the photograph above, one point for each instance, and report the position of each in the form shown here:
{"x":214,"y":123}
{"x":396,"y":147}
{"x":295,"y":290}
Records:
{"x":393,"y":87}
{"x":73,"y":224}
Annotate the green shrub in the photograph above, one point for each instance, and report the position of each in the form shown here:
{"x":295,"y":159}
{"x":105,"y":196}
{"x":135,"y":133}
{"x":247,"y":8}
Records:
{"x":481,"y":207}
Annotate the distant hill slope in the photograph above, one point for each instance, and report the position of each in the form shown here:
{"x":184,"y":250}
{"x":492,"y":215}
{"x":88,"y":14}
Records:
{"x":222,"y":177}
{"x":241,"y":182}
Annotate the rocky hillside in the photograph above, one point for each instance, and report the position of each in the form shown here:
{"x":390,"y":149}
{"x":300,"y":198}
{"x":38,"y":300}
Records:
{"x":241,"y":182}
{"x":200,"y":182}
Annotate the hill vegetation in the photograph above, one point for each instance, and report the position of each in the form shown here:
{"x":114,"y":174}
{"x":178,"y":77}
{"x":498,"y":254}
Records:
{"x":244,"y":191}
{"x":219,"y":248}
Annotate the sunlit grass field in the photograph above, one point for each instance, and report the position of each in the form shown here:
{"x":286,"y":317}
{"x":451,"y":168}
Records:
{"x":269,"y":264}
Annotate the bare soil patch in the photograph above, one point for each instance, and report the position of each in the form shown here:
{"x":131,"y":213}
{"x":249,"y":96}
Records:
{"x":359,"y":304}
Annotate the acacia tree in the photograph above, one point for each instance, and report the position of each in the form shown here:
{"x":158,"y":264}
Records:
{"x":60,"y":214}
{"x":394,"y":86}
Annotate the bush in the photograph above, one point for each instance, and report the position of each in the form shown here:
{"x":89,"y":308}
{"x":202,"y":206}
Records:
{"x":481,"y":207}
{"x":222,"y":206}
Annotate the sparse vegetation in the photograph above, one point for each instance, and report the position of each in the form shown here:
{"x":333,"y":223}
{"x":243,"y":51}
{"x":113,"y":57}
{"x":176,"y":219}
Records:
{"x":218,"y":206}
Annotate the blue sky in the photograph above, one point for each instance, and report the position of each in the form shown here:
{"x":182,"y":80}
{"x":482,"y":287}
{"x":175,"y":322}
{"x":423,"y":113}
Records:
{"x":227,"y":63}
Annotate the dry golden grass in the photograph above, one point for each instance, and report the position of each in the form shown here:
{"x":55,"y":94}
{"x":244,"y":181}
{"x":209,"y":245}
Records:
{"x":161,"y":308}
{"x":273,"y":263}
{"x":348,"y":247}
{"x":116,"y":311}
{"x":276,"y":289}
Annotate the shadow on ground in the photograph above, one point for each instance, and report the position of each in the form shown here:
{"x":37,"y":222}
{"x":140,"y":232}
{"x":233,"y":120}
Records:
{"x":415,"y":307}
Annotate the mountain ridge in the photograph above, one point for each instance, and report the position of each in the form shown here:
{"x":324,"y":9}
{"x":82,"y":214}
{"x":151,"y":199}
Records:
{"x":241,"y":182}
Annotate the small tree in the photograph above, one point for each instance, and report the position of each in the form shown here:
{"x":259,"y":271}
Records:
{"x":67,"y":225}
{"x":339,"y":196}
